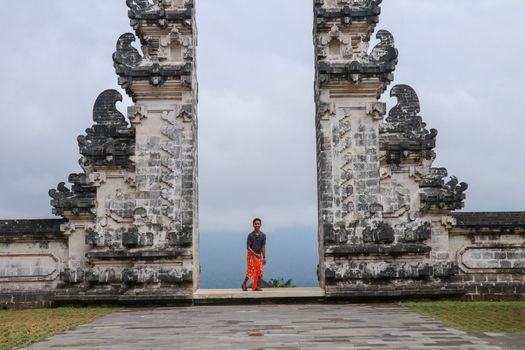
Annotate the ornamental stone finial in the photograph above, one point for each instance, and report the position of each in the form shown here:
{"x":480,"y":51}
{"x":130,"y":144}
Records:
{"x":126,"y":54}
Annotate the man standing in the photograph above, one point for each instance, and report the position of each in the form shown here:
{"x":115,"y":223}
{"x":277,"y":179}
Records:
{"x":256,"y":259}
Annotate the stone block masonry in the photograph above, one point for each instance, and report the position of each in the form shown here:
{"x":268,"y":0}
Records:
{"x":132,"y":215}
{"x":387,"y":228}
{"x":33,"y":254}
{"x":383,"y":209}
{"x":489,"y":249}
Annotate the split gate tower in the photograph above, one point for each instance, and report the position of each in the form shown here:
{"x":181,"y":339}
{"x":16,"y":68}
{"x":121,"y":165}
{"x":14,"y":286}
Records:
{"x":383,"y":209}
{"x":132,"y":214}
{"x":129,"y":227}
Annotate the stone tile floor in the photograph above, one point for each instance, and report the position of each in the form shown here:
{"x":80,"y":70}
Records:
{"x":290,"y":327}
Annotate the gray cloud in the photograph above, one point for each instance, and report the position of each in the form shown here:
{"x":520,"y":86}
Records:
{"x":255,"y":67}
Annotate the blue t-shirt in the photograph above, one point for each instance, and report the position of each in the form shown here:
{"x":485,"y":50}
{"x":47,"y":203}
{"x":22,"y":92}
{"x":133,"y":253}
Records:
{"x":256,"y":242}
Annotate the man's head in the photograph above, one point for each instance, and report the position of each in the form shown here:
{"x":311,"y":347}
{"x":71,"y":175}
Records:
{"x":257,"y":224}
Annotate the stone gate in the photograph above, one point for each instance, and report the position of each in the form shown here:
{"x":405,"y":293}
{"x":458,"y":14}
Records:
{"x":382,"y":206}
{"x":129,"y":227}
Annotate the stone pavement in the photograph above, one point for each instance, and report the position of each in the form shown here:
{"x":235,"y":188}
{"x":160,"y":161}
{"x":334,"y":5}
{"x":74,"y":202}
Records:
{"x":252,"y":327}
{"x":507,"y":341}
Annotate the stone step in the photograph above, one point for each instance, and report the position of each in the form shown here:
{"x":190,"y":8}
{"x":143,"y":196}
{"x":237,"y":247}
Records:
{"x":223,"y":295}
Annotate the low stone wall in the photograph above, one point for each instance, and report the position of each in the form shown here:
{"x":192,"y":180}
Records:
{"x":490,"y":252}
{"x":33,"y":253}
{"x":489,"y":249}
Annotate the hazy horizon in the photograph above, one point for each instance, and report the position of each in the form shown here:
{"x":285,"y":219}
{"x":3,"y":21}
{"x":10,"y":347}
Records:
{"x":291,"y":254}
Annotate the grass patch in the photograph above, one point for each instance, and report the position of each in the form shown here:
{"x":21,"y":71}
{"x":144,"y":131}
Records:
{"x":473,"y":317}
{"x":20,"y":328}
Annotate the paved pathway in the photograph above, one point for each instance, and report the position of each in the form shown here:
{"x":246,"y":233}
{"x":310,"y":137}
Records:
{"x":290,"y":327}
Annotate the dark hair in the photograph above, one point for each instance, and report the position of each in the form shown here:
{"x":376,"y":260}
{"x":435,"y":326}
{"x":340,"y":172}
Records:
{"x":256,"y":219}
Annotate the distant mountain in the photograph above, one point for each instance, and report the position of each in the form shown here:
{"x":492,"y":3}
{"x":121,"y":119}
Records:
{"x":290,"y":254}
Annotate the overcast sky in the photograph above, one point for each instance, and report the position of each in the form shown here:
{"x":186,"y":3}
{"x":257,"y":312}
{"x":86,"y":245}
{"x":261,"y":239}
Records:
{"x":256,"y":113}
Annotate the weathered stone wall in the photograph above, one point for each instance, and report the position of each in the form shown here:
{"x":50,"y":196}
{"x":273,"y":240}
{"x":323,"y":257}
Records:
{"x":33,"y":254}
{"x":489,"y":249}
{"x":132,"y":215}
{"x":349,"y":82}
{"x":386,"y":226}
{"x":386,"y":222}
{"x":382,"y":207}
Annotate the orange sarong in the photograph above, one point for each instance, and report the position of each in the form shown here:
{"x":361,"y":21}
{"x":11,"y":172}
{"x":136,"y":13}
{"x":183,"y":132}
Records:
{"x":255,"y":269}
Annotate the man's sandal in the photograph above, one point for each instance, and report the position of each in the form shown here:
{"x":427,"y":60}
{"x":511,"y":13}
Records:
{"x":243,"y":287}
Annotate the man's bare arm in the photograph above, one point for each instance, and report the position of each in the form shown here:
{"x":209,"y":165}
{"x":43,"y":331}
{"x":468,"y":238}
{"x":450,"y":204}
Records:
{"x":251,"y":251}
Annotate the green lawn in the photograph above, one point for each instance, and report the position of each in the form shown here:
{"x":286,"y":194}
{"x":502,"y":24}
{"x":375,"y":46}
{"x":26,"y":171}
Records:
{"x":497,"y":317}
{"x":24,"y":327}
